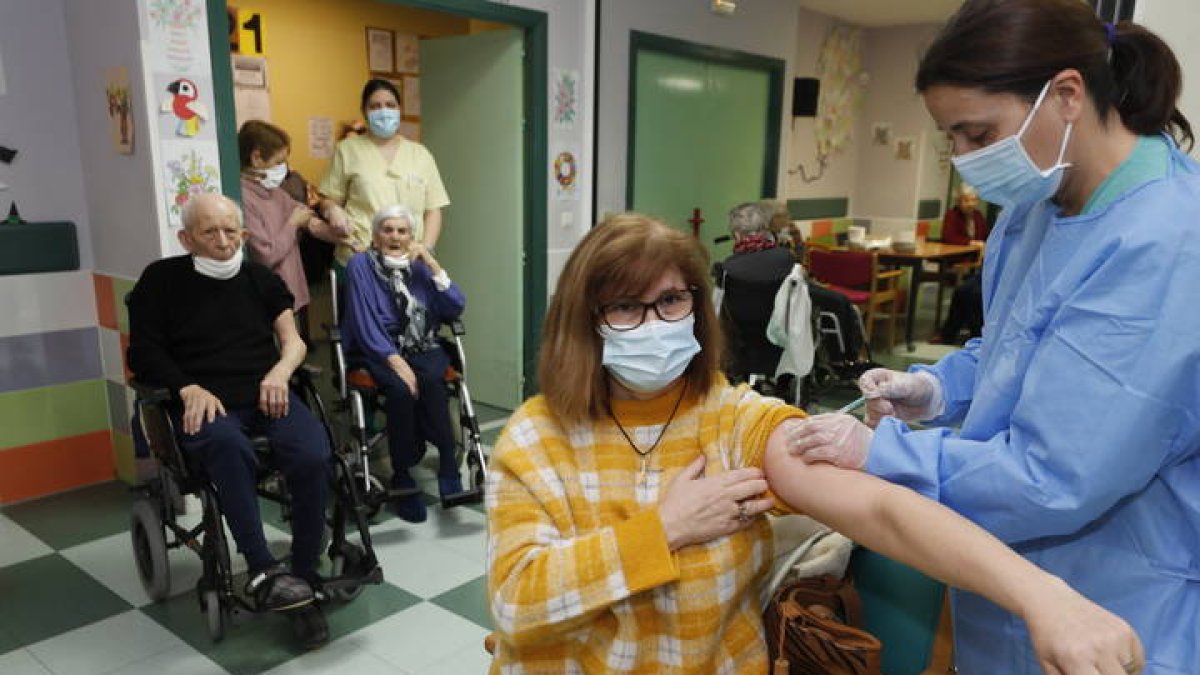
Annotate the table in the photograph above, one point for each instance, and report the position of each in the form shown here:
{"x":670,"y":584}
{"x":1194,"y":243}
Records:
{"x":926,"y":251}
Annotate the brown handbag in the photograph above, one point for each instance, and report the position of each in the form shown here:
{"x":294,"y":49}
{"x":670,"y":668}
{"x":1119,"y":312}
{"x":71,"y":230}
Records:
{"x":812,"y":629}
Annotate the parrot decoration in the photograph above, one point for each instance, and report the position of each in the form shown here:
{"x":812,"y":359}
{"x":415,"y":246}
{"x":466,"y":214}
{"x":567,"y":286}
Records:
{"x":184,"y":103}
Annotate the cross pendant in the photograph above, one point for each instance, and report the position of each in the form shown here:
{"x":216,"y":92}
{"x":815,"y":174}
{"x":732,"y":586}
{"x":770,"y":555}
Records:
{"x":642,"y":473}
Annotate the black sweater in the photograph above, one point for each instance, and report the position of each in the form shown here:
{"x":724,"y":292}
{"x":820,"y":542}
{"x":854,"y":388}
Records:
{"x":186,"y":328}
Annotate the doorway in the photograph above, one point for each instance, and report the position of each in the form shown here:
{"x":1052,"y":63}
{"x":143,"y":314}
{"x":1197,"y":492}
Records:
{"x":516,"y":377}
{"x":703,"y":133}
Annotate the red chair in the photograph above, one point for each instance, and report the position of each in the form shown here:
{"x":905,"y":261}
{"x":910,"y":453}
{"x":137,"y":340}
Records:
{"x":856,"y":275}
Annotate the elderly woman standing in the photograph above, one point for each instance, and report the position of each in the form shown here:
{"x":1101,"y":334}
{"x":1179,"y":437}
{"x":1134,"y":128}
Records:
{"x":397,"y":296}
{"x":625,"y":503}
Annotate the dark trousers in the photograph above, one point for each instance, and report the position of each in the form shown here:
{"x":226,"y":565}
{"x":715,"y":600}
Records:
{"x":412,"y":421}
{"x":299,"y":448}
{"x":966,"y":310}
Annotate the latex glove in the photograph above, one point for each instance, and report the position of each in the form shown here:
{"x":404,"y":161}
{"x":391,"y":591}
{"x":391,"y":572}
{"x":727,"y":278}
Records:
{"x":836,"y":438}
{"x":908,"y":396}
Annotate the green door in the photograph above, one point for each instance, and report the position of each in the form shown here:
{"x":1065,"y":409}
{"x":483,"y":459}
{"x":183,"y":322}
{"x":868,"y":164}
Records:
{"x":471,"y":121}
{"x":704,"y":135}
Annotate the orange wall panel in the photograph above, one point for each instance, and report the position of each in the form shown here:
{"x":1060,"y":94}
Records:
{"x":45,"y":468}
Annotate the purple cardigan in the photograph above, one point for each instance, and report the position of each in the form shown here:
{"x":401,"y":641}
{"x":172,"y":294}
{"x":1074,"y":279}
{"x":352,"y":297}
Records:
{"x":371,"y":316}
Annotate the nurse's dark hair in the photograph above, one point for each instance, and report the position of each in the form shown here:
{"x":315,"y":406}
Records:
{"x":373,"y":85}
{"x":1016,"y":46}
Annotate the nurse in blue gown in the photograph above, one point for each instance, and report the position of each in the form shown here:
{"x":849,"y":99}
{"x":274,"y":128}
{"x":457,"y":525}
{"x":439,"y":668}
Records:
{"x":1071,"y":429}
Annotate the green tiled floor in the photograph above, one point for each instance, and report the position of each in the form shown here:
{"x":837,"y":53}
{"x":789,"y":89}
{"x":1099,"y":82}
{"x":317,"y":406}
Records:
{"x":77,"y":516}
{"x":46,"y":596}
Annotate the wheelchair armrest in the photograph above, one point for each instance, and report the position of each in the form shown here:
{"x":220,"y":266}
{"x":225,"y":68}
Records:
{"x":150,"y":393}
{"x":457,"y":327}
{"x":333,"y":331}
{"x":306,"y":374}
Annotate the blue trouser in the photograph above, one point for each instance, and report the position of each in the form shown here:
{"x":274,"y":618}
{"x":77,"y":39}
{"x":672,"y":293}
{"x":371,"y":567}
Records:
{"x":299,"y":449}
{"x":412,"y":421}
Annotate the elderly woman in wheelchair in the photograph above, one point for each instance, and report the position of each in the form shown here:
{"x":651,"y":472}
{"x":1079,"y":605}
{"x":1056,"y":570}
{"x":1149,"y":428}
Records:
{"x":396,"y":297}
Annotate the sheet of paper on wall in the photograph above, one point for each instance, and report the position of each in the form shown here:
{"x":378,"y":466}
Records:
{"x":412,"y":96}
{"x":251,"y":104}
{"x":408,"y":53}
{"x":249,"y":71}
{"x":320,"y":137}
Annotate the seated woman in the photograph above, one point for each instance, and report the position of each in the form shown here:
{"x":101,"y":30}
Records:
{"x":626,"y":502}
{"x":397,"y":296}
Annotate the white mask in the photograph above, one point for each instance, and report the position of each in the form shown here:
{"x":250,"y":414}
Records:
{"x":273,"y":175}
{"x":218,"y":269}
{"x":652,"y":356}
{"x":395,"y":262}
{"x":1003,"y":173}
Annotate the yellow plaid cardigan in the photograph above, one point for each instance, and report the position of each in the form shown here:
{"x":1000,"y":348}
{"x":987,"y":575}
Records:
{"x":580,"y":578}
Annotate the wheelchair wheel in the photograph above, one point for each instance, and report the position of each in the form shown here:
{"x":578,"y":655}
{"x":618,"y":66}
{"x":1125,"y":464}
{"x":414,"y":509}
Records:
{"x":214,"y":614}
{"x":347,"y":562}
{"x":474,"y":458}
{"x":150,"y":549}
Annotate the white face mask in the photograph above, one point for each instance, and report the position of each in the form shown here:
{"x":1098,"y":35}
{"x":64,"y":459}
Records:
{"x":395,"y":262}
{"x":218,"y":269}
{"x":1003,"y":173}
{"x":273,"y":175}
{"x":652,"y":356}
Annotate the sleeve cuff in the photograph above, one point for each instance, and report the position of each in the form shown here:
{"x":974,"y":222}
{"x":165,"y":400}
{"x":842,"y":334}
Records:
{"x":645,"y":557}
{"x":441,"y":280}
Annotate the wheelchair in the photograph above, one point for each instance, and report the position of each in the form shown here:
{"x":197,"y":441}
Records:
{"x":359,"y":399}
{"x":154,"y":526}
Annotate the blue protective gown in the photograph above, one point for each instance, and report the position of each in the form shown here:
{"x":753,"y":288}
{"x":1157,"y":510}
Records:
{"x":1080,"y":419}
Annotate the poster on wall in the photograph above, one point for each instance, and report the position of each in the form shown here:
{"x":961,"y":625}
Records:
{"x":189,"y":168}
{"x":184,"y":107}
{"x":120,"y":109}
{"x":176,"y":35}
{"x":412,"y":96}
{"x":408,"y":53}
{"x":565,"y":99}
{"x":320,"y":137}
{"x":380,"y":50}
{"x":905,"y":147}
{"x":565,"y":172}
{"x":410,"y":130}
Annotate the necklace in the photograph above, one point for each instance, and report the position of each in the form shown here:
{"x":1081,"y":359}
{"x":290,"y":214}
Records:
{"x":662,"y":432}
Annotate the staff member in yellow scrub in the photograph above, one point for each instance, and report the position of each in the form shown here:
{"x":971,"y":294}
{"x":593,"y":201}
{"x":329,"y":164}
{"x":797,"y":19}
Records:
{"x":378,"y":169}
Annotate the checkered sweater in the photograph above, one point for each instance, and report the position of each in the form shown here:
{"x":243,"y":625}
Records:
{"x":579,"y":573}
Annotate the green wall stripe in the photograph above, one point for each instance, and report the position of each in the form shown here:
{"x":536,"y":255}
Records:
{"x":929,"y":208}
{"x":821,"y":207}
{"x":50,"y":413}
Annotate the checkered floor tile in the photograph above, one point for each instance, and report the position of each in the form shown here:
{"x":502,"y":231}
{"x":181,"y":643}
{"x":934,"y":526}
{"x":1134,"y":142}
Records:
{"x":73,"y":604}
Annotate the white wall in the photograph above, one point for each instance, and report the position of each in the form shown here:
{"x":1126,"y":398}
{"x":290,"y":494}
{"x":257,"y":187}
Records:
{"x":37,"y":117}
{"x":1177,"y":22}
{"x":571,"y":47}
{"x":764,"y":27}
{"x":103,"y":34}
{"x":799,"y":145}
{"x":886,"y":186}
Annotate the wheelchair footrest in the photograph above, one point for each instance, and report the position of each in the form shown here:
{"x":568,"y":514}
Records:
{"x":397,"y":492}
{"x":473,"y":496}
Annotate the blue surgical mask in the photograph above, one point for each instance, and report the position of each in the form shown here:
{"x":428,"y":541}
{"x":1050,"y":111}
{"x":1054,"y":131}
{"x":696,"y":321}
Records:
{"x":1003,"y":173}
{"x":652,"y":356}
{"x":384,"y":122}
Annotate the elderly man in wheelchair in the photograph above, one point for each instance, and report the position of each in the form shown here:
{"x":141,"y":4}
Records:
{"x":204,"y":326}
{"x":396,"y":297}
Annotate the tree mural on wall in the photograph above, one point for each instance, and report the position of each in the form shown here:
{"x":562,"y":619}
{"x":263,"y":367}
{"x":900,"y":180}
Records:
{"x":843,"y":82}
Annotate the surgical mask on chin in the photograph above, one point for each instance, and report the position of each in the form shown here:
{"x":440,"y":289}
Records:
{"x":218,"y":269}
{"x":384,"y":122}
{"x":1003,"y":173}
{"x":273,"y":176}
{"x":395,"y":262}
{"x":652,"y":356}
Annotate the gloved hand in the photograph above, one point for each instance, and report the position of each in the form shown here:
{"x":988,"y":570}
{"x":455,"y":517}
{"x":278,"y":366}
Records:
{"x":837,"y":438}
{"x":908,"y":396}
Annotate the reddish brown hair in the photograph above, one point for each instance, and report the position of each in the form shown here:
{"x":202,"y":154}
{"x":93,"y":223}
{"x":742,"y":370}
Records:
{"x":621,"y":257}
{"x":264,"y":137}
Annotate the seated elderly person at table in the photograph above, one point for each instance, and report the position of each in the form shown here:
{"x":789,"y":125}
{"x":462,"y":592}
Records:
{"x":963,"y":224}
{"x":397,"y":296}
{"x":205,"y":325}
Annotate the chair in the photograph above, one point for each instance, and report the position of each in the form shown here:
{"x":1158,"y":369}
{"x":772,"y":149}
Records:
{"x":856,"y":275}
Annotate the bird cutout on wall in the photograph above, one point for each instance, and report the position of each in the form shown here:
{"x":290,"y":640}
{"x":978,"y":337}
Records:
{"x":185,"y":104}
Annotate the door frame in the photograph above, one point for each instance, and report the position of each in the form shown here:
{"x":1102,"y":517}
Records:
{"x":775,"y":68}
{"x":534,"y":25}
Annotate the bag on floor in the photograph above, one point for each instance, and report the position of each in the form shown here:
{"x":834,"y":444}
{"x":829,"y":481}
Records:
{"x":812,"y":628}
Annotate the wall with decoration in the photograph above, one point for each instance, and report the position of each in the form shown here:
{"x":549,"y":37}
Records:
{"x":313,"y":48}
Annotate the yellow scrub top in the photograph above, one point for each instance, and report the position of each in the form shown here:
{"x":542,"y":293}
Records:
{"x":360,"y":178}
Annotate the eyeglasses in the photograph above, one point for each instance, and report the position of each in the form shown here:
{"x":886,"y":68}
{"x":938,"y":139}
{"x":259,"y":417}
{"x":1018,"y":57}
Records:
{"x":675,"y":304}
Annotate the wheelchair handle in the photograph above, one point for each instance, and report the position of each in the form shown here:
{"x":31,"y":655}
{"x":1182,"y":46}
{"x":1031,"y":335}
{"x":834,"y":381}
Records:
{"x":457,"y":327}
